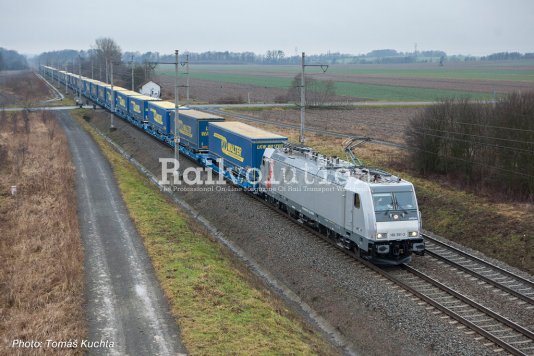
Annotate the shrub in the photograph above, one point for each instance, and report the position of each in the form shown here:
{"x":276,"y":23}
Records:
{"x":486,"y":146}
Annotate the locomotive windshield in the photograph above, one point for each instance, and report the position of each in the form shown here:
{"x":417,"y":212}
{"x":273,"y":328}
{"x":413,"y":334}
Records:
{"x":394,"y":201}
{"x":383,"y":201}
{"x":405,"y":200}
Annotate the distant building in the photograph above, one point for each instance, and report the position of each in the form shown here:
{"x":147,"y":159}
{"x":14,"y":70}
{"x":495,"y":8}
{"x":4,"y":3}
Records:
{"x":151,"y":89}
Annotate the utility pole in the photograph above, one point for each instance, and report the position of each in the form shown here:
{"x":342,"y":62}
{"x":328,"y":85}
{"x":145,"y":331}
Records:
{"x":111,"y":127}
{"x":177,"y":122}
{"x":107,"y":77}
{"x":187,"y":77}
{"x":80,"y":79}
{"x":57,"y":74}
{"x":92,"y":69}
{"x":133,"y":86}
{"x":302,"y":101}
{"x":176,"y":110}
{"x":324,"y":67}
{"x":66,"y":89}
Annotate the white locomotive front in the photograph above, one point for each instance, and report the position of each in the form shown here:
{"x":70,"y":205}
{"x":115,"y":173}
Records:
{"x":365,"y":210}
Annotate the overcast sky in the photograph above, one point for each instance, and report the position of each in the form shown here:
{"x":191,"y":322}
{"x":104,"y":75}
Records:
{"x":475,"y":27}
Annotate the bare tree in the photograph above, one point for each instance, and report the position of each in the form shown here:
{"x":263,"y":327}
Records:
{"x":478,"y":144}
{"x":318,"y":92}
{"x":106,"y":50}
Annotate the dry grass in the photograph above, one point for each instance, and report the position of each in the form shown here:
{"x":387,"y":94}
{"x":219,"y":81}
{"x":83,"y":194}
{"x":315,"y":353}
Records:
{"x":22,"y":88}
{"x":41,"y":255}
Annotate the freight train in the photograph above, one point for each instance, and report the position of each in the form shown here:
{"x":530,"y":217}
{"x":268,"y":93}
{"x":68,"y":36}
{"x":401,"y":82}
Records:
{"x":368,"y":211}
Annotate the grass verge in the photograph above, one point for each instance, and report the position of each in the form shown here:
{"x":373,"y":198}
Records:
{"x":220,"y":308}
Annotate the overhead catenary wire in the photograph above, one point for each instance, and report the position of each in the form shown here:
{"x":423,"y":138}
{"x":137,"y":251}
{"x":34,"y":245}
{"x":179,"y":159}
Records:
{"x":438,"y":130}
{"x":516,"y":149}
{"x":490,"y":126}
{"x":497,"y":170}
{"x":473,"y":162}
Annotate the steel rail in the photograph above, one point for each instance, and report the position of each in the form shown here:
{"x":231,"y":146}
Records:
{"x":480,"y":261}
{"x":480,"y":276}
{"x":487,"y":334}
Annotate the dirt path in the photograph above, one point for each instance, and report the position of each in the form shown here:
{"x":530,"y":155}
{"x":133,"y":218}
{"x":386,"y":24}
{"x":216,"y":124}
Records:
{"x":125,"y":303}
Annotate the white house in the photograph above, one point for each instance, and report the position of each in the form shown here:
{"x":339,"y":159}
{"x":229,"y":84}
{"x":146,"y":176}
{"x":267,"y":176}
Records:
{"x":151,"y":89}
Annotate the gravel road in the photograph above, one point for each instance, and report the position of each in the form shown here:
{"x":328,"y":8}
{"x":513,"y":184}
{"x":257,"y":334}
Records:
{"x":376,"y":316}
{"x":125,"y":303}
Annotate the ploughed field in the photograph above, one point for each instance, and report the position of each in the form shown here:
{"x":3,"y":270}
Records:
{"x":382,"y":123}
{"x":353,"y":82}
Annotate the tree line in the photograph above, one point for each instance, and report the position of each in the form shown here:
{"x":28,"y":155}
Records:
{"x":507,"y":56}
{"x":277,"y":56}
{"x":12,"y":60}
{"x":97,"y":61}
{"x":485,"y":146}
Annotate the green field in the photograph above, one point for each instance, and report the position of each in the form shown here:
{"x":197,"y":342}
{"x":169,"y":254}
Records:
{"x":509,"y":71}
{"x":280,"y":76}
{"x":356,"y":90}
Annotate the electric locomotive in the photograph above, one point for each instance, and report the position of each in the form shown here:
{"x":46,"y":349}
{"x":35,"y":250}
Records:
{"x":366,"y":210}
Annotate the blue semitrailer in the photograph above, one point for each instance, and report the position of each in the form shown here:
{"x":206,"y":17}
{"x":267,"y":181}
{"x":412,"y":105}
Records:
{"x":101,"y":93}
{"x":62,"y":76}
{"x":111,"y":95}
{"x":193,"y":128}
{"x":94,"y":90}
{"x":73,"y":81}
{"x":158,"y":120}
{"x":86,"y":88}
{"x":138,"y":107}
{"x":122,"y":101}
{"x":241,"y":147}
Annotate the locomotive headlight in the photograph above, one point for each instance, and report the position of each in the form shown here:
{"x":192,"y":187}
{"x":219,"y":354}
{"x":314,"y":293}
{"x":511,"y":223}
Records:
{"x":413,"y":234}
{"x":381,"y":235}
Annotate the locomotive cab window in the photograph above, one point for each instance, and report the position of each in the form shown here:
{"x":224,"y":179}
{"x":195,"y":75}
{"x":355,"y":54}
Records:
{"x":383,"y":201}
{"x":405,"y":200}
{"x":394,"y":201}
{"x":357,"y":202}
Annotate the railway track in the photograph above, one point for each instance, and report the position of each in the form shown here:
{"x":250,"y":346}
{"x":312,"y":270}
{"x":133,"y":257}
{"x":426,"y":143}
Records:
{"x":498,"y":330}
{"x":296,"y":127}
{"x":509,"y":336}
{"x":521,"y":289}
